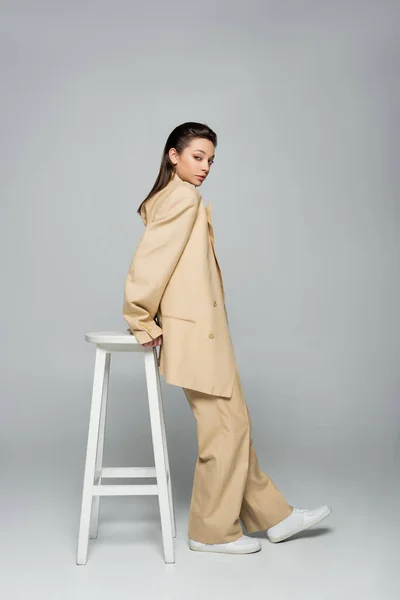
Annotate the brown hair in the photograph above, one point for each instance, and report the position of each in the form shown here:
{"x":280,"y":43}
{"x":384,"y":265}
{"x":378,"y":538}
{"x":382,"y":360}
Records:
{"x":179,"y":138}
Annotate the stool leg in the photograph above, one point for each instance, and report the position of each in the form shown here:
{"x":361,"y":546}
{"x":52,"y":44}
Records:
{"x":90,"y":463}
{"x":94,"y":521}
{"x":150,"y":362}
{"x":167,"y":466}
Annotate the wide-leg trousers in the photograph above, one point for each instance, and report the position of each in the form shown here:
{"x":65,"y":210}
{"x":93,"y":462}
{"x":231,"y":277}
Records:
{"x":228,"y":482}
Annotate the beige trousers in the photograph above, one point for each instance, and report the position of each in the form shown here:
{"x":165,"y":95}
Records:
{"x":228,"y":482}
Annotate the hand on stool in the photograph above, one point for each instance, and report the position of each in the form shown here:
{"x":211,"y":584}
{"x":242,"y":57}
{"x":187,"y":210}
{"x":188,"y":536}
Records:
{"x":156,"y":342}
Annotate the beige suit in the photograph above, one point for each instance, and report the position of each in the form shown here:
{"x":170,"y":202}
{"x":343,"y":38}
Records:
{"x":174,"y":276}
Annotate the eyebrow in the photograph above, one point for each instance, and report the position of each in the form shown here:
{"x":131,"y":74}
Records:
{"x":199,"y":150}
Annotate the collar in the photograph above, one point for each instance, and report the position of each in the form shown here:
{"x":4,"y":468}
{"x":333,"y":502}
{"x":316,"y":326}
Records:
{"x":177,"y":178}
{"x":208,"y":207}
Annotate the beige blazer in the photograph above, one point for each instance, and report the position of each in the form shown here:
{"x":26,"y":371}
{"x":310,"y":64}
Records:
{"x":174,"y":287}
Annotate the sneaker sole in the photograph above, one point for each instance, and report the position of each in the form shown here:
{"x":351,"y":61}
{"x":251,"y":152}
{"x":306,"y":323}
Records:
{"x":208,"y":548}
{"x":311,"y":524}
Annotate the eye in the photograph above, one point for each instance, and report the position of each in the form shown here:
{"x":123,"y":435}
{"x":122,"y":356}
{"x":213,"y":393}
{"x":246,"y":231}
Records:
{"x":200,"y":158}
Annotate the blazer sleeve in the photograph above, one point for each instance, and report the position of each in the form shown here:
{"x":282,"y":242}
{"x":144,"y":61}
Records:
{"x":155,"y":259}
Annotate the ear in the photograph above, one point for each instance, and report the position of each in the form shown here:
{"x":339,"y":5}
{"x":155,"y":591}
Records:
{"x":172,"y":153}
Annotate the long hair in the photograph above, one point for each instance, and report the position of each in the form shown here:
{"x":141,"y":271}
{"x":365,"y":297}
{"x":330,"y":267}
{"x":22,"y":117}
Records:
{"x":179,"y":138}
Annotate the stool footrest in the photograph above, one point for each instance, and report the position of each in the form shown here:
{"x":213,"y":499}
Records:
{"x":130,"y":472}
{"x":125,"y":490}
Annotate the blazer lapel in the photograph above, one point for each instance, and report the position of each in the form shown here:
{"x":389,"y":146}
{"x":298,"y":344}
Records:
{"x":211,"y":232}
{"x":209,"y":219}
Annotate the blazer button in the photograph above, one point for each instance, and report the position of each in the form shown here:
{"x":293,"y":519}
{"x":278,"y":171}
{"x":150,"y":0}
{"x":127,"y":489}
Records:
{"x":215,"y":303}
{"x":211,"y":335}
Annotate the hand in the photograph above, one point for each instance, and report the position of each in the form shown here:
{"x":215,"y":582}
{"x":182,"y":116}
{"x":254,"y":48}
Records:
{"x":156,"y":342}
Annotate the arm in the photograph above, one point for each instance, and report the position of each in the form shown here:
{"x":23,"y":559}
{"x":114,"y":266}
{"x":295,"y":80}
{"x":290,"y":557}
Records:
{"x":155,"y":259}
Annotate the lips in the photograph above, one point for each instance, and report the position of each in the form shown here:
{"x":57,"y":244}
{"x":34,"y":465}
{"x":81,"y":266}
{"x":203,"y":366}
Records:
{"x":201,"y":176}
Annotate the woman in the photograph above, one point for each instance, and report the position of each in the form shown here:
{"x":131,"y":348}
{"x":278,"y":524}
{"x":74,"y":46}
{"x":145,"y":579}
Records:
{"x":174,"y":298}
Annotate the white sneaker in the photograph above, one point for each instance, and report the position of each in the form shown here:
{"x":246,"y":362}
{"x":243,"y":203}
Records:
{"x":299,"y":519}
{"x":243,"y":545}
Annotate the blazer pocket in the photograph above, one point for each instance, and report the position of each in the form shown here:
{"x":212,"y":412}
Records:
{"x":164,"y":316}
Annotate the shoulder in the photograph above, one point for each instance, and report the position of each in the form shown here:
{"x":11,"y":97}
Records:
{"x":178,"y":195}
{"x":184,"y":189}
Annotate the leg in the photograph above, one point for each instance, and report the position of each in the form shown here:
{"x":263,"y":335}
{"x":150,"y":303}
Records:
{"x":265,"y":508}
{"x":281,"y":520}
{"x":263,"y":505}
{"x":228,"y":481}
{"x":221,"y":467}
{"x":150,"y":363}
{"x":91,"y":450}
{"x":166,"y":455}
{"x":94,"y":520}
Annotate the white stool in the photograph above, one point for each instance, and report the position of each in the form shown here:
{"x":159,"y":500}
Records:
{"x":93,"y":486}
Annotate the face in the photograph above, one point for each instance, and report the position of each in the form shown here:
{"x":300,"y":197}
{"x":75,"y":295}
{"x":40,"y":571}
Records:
{"x":194,"y":162}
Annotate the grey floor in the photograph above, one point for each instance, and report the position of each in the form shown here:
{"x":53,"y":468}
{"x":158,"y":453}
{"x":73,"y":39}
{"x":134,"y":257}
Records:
{"x":352,"y":554}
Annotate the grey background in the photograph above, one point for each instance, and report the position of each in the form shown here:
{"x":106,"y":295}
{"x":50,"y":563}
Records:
{"x":304,"y":97}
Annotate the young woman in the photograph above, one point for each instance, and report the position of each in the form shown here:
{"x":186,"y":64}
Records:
{"x":174,"y":298}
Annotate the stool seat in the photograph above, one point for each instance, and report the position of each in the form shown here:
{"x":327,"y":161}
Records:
{"x":93,"y":485}
{"x":112,"y":337}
